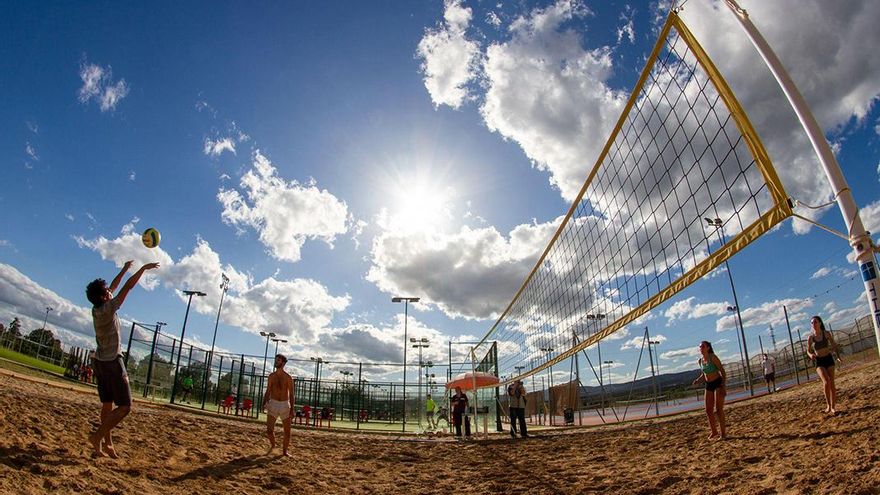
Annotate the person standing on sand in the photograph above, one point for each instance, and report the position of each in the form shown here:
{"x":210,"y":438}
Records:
{"x":278,"y":402}
{"x":459,"y":408}
{"x":113,"y":387}
{"x":516,"y":393}
{"x":430,"y":406}
{"x":820,"y":346}
{"x":769,"y":365}
{"x":713,"y":373}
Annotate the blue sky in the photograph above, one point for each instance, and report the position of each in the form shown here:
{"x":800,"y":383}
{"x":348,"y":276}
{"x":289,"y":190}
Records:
{"x":329,"y":156}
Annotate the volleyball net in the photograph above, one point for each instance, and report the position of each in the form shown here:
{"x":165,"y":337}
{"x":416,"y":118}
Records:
{"x":682,"y":184}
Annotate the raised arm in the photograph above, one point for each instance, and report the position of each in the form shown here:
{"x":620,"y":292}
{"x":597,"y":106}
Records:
{"x":132,"y":281}
{"x":123,"y":271}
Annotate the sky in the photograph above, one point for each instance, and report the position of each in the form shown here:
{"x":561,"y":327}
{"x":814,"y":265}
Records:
{"x":329,"y":156}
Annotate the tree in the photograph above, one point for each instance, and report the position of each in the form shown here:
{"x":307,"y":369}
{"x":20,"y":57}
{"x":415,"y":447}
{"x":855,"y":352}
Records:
{"x":15,"y":328}
{"x":46,"y":343}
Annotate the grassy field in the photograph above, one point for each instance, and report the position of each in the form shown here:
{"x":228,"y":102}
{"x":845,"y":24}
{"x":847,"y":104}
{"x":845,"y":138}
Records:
{"x":30,"y":361}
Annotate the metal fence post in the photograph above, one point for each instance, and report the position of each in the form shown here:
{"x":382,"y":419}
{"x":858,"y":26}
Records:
{"x":128,"y":349}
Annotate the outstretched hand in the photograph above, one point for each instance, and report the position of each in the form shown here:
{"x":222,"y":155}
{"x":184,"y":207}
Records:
{"x":127,"y":265}
{"x":150,"y":266}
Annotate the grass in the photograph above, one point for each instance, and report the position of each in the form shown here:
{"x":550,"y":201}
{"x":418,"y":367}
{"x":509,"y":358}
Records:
{"x":30,"y":361}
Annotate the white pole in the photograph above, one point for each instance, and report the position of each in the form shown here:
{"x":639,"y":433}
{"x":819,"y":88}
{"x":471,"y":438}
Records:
{"x":474,"y":386}
{"x":859,"y":238}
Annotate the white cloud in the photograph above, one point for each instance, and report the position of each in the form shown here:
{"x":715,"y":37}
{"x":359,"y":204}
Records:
{"x":5,"y":243}
{"x":31,"y":152}
{"x":472,"y":273}
{"x":550,"y":95}
{"x":113,"y":94}
{"x":821,"y":272}
{"x":33,"y":127}
{"x":870,"y":215}
{"x":687,"y":310}
{"x":768,"y":313}
{"x":627,"y":29}
{"x":301,"y":309}
{"x":24,"y":298}
{"x":218,"y":146}
{"x":636,"y":342}
{"x":449,"y":59}
{"x":493,"y":19}
{"x":285,"y":214}
{"x":689,"y":353}
{"x":98,"y":85}
{"x":824,"y":46}
{"x":132,"y":175}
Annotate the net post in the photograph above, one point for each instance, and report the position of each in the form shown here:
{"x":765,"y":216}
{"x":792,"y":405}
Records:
{"x":859,"y":238}
{"x":128,"y":349}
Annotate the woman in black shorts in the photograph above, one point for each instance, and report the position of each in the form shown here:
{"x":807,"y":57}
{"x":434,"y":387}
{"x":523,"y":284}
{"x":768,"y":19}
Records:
{"x":822,"y":348}
{"x":712,"y":372}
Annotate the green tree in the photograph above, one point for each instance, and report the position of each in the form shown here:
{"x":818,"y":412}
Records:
{"x":44,"y":343}
{"x":15,"y":327}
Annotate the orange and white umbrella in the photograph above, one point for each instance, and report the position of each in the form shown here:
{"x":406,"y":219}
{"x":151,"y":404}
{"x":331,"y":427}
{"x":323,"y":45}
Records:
{"x":467,"y":381}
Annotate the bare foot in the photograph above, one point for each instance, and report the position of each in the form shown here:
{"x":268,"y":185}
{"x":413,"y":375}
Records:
{"x":827,"y":410}
{"x":285,"y":454}
{"x":832,"y":412}
{"x":712,"y":436}
{"x":95,"y":440}
{"x":108,"y":448}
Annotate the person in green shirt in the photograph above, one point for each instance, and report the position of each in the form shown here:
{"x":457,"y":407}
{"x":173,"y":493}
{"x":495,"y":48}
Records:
{"x":430,"y":406}
{"x":187,"y":387}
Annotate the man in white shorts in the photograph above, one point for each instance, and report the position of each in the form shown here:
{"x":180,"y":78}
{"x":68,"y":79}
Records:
{"x":278,"y":403}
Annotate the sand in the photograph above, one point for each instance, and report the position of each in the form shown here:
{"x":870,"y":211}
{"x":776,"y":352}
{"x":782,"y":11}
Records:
{"x":781,"y":443}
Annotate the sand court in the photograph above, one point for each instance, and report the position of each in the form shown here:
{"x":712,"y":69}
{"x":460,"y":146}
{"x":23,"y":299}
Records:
{"x":779,"y":444}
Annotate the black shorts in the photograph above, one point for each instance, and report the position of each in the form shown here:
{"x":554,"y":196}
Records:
{"x":714,"y":384}
{"x":825,"y":361}
{"x":770,"y":377}
{"x":113,"y":382}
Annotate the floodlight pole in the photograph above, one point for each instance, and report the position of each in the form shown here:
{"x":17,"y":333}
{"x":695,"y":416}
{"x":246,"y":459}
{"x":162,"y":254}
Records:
{"x":405,"y":301}
{"x":419,"y":344}
{"x":224,"y":286}
{"x":859,"y":239}
{"x":190,"y":294}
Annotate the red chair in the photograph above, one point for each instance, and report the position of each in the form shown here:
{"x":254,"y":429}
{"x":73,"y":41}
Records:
{"x":325,"y":414}
{"x":304,"y":415}
{"x":227,"y":403}
{"x":246,"y":406}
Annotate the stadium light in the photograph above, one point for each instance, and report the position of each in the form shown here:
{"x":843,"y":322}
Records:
{"x":405,"y":301}
{"x":189,"y":294}
{"x":224,"y":286}
{"x":419,"y":344}
{"x":277,"y":341}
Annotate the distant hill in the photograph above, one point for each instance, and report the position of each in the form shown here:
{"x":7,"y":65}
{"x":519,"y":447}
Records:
{"x":642,"y":387}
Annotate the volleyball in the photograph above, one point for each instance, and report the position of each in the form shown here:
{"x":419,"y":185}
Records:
{"x":150,"y":237}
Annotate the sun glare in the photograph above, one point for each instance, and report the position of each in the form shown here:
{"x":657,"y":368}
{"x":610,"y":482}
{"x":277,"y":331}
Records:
{"x":421,"y":208}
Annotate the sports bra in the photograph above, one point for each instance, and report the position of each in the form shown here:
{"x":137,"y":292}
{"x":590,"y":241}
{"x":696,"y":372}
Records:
{"x":820,"y":344}
{"x":708,"y":367}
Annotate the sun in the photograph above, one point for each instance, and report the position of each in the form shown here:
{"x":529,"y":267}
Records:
{"x":421,"y":206}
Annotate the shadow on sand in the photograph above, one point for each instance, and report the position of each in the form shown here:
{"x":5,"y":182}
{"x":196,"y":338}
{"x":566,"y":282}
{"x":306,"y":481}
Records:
{"x":227,"y":469}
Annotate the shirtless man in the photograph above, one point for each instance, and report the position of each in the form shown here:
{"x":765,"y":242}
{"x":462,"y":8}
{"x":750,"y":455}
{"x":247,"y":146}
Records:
{"x":278,"y":402}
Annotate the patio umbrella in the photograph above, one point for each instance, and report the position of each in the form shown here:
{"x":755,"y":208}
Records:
{"x":467,"y":380}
